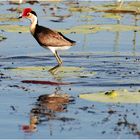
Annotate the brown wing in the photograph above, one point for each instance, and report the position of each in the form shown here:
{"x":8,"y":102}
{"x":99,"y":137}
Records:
{"x":48,"y":37}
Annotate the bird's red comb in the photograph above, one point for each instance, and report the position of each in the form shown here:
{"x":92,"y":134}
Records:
{"x":26,"y":11}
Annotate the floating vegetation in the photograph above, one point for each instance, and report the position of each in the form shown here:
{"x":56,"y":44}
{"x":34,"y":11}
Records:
{"x":86,"y":29}
{"x":14,"y":28}
{"x":82,"y":9}
{"x":134,"y":4}
{"x":2,"y":38}
{"x":41,"y":68}
{"x":8,"y":18}
{"x":62,"y":72}
{"x":18,"y":10}
{"x":123,"y":11}
{"x":114,"y":96}
{"x":129,"y":8}
{"x":112,"y":16}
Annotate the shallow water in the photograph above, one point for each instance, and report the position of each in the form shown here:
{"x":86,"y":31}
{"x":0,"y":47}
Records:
{"x":100,"y":61}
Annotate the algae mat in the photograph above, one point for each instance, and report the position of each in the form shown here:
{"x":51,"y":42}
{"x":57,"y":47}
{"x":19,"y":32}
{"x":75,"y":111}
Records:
{"x":117,"y":96}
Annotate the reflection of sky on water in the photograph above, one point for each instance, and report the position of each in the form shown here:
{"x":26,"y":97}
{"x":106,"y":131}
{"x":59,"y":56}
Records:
{"x":100,"y":52}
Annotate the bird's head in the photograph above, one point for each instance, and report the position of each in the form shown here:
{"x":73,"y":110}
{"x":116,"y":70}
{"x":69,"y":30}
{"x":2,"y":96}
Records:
{"x":28,"y":13}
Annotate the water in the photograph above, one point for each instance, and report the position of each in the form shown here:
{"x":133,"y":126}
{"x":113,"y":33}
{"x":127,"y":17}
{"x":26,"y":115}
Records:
{"x":110,"y":60}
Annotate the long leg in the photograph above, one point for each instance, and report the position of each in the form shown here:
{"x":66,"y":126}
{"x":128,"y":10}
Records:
{"x":58,"y":60}
{"x":120,"y":3}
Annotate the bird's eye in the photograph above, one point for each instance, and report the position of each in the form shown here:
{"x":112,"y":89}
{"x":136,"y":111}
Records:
{"x":28,"y":14}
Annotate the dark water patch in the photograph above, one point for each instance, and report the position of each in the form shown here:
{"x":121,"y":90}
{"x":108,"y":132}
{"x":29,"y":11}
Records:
{"x":84,"y":108}
{"x":111,"y":84}
{"x":19,"y":87}
{"x":88,"y":109}
{"x":65,"y":119}
{"x":3,"y":76}
{"x":23,"y":58}
{"x":124,"y":123}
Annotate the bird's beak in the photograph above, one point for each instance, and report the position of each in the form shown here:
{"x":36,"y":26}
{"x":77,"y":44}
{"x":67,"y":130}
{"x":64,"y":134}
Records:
{"x":19,"y":17}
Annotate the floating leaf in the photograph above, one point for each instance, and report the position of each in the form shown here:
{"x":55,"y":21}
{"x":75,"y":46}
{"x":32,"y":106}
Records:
{"x":119,"y":96}
{"x":40,"y":72}
{"x":14,"y":28}
{"x":82,"y":9}
{"x":86,"y":29}
{"x":134,"y":4}
{"x":130,"y":7}
{"x":111,"y":15}
{"x":9,"y":18}
{"x":41,"y":68}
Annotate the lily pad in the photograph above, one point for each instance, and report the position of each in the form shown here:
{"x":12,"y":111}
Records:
{"x":9,"y":18}
{"x":134,"y":4}
{"x":130,"y":7}
{"x":123,"y":11}
{"x":47,"y":68}
{"x":14,"y":28}
{"x":112,"y":16}
{"x":40,"y":72}
{"x":82,"y":9}
{"x":86,"y":29}
{"x":126,"y":8}
{"x":115,"y":96}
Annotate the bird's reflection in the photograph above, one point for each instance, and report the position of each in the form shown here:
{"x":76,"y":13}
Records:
{"x":47,"y":107}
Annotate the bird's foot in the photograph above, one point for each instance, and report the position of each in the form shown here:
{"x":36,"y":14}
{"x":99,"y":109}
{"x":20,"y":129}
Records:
{"x":54,"y":69}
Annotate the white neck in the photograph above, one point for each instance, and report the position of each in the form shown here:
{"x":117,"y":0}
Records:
{"x":33,"y":20}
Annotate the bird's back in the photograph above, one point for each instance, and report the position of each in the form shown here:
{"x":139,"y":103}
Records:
{"x":47,"y":37}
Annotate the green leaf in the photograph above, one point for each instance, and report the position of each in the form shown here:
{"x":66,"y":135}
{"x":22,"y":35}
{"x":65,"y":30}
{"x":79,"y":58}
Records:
{"x":86,"y":29}
{"x":115,"y":96}
{"x":14,"y":28}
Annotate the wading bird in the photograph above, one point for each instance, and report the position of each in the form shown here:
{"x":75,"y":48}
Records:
{"x":120,"y":3}
{"x":46,"y":37}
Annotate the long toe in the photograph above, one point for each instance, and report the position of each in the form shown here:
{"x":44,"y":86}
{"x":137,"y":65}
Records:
{"x":54,"y":69}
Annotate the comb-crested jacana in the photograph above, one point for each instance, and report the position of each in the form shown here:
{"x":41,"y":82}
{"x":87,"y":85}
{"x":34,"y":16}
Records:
{"x":46,"y":37}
